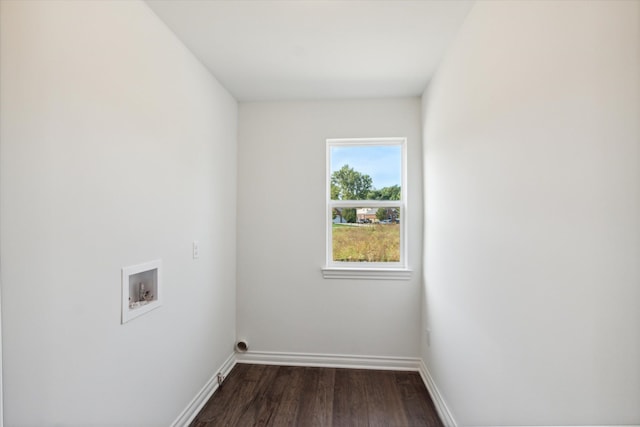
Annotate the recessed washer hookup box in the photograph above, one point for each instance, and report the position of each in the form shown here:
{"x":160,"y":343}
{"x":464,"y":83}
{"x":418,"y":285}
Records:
{"x":141,"y":290}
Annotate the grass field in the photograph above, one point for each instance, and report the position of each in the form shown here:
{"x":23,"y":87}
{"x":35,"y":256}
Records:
{"x":368,"y":243}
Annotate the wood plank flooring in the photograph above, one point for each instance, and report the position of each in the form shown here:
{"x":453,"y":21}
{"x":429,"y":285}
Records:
{"x":263,"y":395}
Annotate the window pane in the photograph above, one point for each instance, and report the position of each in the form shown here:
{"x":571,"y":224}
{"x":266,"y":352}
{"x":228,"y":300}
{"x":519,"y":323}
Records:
{"x":366,"y":234}
{"x":367,"y":172}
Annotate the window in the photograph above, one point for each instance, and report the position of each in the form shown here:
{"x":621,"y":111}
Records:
{"x":366,"y":208}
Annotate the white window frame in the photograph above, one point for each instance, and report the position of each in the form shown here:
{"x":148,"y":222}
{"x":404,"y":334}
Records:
{"x":367,"y":270}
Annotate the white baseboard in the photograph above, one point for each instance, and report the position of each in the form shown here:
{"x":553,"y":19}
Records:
{"x":443,"y":411}
{"x":330,"y":360}
{"x":198,"y":402}
{"x":322,"y":361}
{"x":291,"y":359}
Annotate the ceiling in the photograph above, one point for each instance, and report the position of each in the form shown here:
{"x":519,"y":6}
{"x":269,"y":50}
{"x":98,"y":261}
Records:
{"x":304,"y":49}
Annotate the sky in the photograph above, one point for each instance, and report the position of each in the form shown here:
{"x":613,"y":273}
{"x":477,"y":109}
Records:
{"x":383,"y":163}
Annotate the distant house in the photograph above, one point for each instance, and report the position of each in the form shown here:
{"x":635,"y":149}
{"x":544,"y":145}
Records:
{"x":338,"y":219}
{"x":367,"y":214}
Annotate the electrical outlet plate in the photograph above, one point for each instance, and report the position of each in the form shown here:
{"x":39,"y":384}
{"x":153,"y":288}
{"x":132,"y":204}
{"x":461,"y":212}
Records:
{"x":141,"y":289}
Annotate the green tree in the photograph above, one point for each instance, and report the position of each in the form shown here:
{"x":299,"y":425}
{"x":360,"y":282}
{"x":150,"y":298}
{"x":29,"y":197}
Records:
{"x":386,"y":193}
{"x":388,"y":213}
{"x":391,"y":193}
{"x":395,"y":214}
{"x":349,"y":184}
{"x":349,"y":215}
{"x":335,"y":191}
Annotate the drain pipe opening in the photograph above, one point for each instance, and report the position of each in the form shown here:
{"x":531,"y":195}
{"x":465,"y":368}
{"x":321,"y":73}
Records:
{"x":242,"y":346}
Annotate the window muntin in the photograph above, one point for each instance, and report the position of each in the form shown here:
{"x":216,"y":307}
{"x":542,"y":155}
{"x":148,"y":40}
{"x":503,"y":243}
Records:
{"x":366,"y":200}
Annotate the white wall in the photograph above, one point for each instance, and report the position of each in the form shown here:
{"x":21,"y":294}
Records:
{"x":531,"y":130}
{"x":284,"y":304}
{"x":117,"y":147}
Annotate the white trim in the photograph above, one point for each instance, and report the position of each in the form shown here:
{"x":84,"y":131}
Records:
{"x":203,"y":396}
{"x":402,"y":204}
{"x":366,"y":273}
{"x":329,"y":360}
{"x":323,"y":361}
{"x":366,"y":203}
{"x":443,"y":411}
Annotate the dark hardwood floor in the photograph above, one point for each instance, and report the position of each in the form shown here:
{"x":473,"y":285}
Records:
{"x":262,"y":395}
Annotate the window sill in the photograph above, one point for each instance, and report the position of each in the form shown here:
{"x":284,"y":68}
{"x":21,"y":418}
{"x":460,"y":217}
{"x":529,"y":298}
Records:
{"x":366,"y":273}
